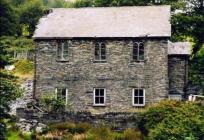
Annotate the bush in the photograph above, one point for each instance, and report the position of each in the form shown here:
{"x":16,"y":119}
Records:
{"x":57,"y":105}
{"x":173,"y":120}
{"x":50,"y":103}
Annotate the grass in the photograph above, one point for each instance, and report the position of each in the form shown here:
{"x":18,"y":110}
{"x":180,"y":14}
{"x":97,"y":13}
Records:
{"x":72,"y":131}
{"x":84,"y":131}
{"x":24,"y":69}
{"x":13,"y":133}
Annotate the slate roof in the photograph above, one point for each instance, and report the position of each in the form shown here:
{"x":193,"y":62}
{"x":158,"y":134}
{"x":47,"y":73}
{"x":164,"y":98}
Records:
{"x":150,"y":21}
{"x":179,"y":48}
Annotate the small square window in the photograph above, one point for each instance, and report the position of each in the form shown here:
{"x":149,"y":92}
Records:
{"x":138,"y":97}
{"x":99,"y":96}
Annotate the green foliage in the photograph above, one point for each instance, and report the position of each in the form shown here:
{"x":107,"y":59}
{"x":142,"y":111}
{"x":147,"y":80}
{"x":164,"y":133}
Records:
{"x":5,"y":56}
{"x":196,"y":72}
{"x":8,"y":91}
{"x":50,"y":103}
{"x":173,"y":120}
{"x":13,"y":133}
{"x":2,"y":131}
{"x":31,"y":12}
{"x":8,"y":18}
{"x":24,"y":66}
{"x":9,"y":45}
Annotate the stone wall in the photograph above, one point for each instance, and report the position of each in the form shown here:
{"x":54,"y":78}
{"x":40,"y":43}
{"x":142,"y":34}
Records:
{"x":119,"y":74}
{"x":178,"y":72}
{"x":118,"y":121}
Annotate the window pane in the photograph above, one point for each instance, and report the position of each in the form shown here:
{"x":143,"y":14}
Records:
{"x":141,"y":51}
{"x":140,"y":100}
{"x":59,"y":51}
{"x":135,"y":51}
{"x":65,"y":51}
{"x":101,"y":92}
{"x":97,"y":100}
{"x":96,"y":92}
{"x":63,"y":92}
{"x":136,"y":92}
{"x":103,"y":57}
{"x":66,"y":46}
{"x":102,"y":100}
{"x":140,"y":92}
{"x":136,"y":100}
{"x":97,"y":52}
{"x":103,"y":47}
{"x":103,"y":52}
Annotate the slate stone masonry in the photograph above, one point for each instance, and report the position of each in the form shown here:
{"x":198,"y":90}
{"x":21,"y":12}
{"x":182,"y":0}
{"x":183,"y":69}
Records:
{"x":178,"y":74}
{"x":119,"y":74}
{"x":117,"y":121}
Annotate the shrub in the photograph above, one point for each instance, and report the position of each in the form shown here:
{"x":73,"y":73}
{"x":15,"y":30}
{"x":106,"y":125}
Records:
{"x":50,"y":103}
{"x":173,"y":120}
{"x":57,"y":105}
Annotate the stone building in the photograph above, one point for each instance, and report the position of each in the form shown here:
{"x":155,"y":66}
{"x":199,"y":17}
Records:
{"x":109,"y":59}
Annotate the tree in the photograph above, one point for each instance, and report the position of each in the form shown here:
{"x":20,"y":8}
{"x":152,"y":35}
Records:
{"x":8,"y":19}
{"x":31,"y":12}
{"x":5,"y":56}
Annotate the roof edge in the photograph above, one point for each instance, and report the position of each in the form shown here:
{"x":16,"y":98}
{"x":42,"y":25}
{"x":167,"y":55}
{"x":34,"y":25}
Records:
{"x":47,"y":38}
{"x":113,"y":7}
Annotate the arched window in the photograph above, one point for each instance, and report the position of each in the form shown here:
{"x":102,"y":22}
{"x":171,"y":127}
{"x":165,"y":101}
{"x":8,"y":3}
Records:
{"x":138,"y":51}
{"x":100,"y":51}
{"x":63,"y":51}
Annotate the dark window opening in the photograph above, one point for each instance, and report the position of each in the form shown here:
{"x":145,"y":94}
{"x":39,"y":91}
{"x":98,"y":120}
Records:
{"x":138,"y":97}
{"x":99,"y":96}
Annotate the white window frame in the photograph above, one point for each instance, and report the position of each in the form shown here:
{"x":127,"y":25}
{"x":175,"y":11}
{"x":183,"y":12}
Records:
{"x":133,"y":96}
{"x":94,"y":103}
{"x":66,"y":96}
{"x":100,"y":60}
{"x":61,"y":45}
{"x":138,"y":51}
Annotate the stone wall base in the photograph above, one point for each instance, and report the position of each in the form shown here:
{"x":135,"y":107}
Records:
{"x":118,"y":121}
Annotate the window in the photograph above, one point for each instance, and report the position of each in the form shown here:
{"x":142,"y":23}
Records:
{"x":99,"y":96}
{"x":63,"y":51}
{"x":138,"y":51}
{"x":100,"y":52}
{"x":62,"y":94}
{"x":138,"y":97}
